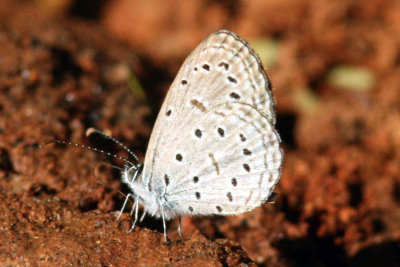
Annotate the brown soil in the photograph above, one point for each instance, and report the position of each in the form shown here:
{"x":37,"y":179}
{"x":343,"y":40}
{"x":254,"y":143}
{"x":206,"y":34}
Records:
{"x":69,"y":65}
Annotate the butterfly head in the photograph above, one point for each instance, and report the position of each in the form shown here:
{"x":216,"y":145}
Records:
{"x":133,"y":177}
{"x":153,"y":200}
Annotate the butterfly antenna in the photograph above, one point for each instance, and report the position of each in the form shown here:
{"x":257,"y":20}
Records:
{"x":91,"y":148}
{"x":93,"y":130}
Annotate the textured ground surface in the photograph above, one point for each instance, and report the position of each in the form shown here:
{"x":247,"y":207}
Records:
{"x":68,"y":66}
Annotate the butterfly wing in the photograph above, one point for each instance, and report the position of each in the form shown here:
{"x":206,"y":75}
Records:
{"x":233,"y":169}
{"x":196,"y":156}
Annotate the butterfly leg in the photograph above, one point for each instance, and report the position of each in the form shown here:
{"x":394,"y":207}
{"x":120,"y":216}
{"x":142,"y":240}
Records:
{"x":133,"y":207}
{"x":164,"y":225}
{"x":135,"y":175}
{"x":136,"y":209}
{"x":123,"y":206}
{"x":179,"y":227}
{"x":144,"y":214}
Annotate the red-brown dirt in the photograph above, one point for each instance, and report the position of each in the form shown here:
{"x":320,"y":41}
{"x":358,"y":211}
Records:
{"x":69,"y":65}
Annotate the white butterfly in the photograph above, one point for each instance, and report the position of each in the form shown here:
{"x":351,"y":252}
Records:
{"x":214,"y":148}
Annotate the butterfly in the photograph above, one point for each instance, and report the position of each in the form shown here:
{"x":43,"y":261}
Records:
{"x":214,"y":148}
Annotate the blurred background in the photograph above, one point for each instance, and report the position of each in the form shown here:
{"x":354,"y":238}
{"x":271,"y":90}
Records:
{"x":68,"y":65}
